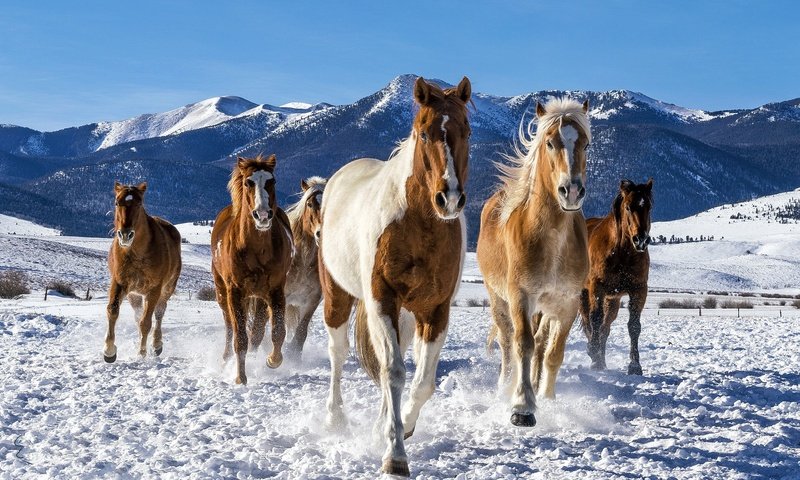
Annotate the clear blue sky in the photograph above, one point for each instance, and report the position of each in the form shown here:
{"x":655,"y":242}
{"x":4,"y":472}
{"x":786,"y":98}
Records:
{"x":70,"y":63}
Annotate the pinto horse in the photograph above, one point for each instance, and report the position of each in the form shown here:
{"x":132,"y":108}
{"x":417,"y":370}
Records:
{"x":532,"y":251}
{"x":252,"y":248}
{"x":144,"y":262}
{"x":620,"y":264}
{"x":393,"y":236}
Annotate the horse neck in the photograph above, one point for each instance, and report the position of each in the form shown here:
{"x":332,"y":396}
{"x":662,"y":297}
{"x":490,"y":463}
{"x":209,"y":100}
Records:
{"x":303,"y":240}
{"x":418,"y":193}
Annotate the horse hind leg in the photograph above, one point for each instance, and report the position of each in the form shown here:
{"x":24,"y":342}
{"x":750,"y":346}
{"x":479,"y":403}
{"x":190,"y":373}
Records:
{"x":158,"y":343}
{"x":611,"y":309}
{"x":277,"y":307}
{"x":146,"y":322}
{"x":115,"y":294}
{"x":302,"y":318}
{"x":430,"y":338}
{"x":503,"y":329}
{"x":258,"y":313}
{"x":560,"y":325}
{"x":337,"y":307}
{"x":635,"y":306}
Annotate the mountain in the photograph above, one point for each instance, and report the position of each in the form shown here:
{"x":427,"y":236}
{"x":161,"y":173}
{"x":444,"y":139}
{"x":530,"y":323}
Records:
{"x":698,"y":159}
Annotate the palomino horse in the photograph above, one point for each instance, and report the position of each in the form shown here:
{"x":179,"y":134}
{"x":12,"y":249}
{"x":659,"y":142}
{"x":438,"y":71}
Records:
{"x":532,"y":251}
{"x":619,"y":265}
{"x":145,"y":262}
{"x":393,"y":236}
{"x":303,"y":289}
{"x":250,"y":258}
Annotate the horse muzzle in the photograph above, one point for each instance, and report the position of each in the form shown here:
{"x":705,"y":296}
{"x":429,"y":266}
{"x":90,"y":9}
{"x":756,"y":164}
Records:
{"x":640,"y":242}
{"x":263,"y":219}
{"x":571,"y":196}
{"x":125,"y":237}
{"x":448,"y":205}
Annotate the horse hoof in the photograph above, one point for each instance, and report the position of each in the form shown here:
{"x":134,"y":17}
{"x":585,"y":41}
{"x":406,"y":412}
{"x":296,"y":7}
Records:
{"x":523,"y":419}
{"x":273,"y":363}
{"x":396,"y":467}
{"x":111,"y":359}
{"x":158,"y":350}
{"x":408,"y":434}
{"x":598,"y":366}
{"x":634,"y":369}
{"x":241,"y":380}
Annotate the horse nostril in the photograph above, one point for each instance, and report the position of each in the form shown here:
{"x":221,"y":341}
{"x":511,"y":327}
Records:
{"x":581,"y":192}
{"x":255,"y":214}
{"x":317,"y":234}
{"x":269,"y":214}
{"x":441,"y":201}
{"x":462,"y":200}
{"x":562,"y":190}
{"x":119,"y":233}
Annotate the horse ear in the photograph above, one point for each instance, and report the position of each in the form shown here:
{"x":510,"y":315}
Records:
{"x":464,"y":89}
{"x":626,"y":186}
{"x":304,"y":185}
{"x":586,"y":106}
{"x":142,"y":187}
{"x":422,"y":91}
{"x":272,"y":160}
{"x":650,"y":185}
{"x":241,"y":162}
{"x":117,"y":186}
{"x":540,"y":111}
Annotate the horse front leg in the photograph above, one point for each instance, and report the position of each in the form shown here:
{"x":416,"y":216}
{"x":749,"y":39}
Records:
{"x":560,"y":324}
{"x":258,"y":311}
{"x":158,"y":342}
{"x":430,"y":335}
{"x":277,"y":305}
{"x":610,"y":311}
{"x":115,"y":293}
{"x":635,"y":306}
{"x":523,"y":400}
{"x":146,"y":322}
{"x":237,"y":311}
{"x":304,"y":314}
{"x":337,"y":307}
{"x":504,"y":329}
{"x":597,"y":300}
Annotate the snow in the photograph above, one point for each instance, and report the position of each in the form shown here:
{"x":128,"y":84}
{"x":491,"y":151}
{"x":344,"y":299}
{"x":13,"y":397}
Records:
{"x":16,"y":226}
{"x":297,"y":105}
{"x":720,"y":396}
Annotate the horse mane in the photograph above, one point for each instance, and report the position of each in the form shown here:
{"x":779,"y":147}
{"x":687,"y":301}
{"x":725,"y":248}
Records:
{"x":520,"y":172}
{"x":260,"y":162}
{"x":295,"y":211}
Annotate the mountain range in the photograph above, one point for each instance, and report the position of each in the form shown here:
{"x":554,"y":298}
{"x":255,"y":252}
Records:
{"x":698,"y":159}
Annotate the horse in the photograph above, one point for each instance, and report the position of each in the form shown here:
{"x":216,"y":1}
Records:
{"x":394,"y":236}
{"x":144,"y":262}
{"x":532,"y":251}
{"x":619,"y":265}
{"x":303,"y":289}
{"x":251,"y":251}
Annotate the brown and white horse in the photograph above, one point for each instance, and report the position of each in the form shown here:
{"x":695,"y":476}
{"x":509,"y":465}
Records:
{"x":303,"y":289}
{"x":532,"y":251}
{"x":144,"y":262}
{"x":252,"y":248}
{"x":393,"y":236}
{"x":620,"y":265}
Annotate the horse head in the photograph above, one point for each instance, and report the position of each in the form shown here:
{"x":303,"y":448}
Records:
{"x":441,"y":131}
{"x":632,"y":212}
{"x":311,"y":219}
{"x":252,"y":188}
{"x":128,"y":208}
{"x":562,"y":150}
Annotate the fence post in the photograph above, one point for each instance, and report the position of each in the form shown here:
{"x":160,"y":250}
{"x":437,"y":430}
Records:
{"x":738,"y":313}
{"x":700,"y":311}
{"x":45,"y":294}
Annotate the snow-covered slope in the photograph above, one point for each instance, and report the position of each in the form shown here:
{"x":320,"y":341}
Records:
{"x":16,"y":226}
{"x":755,"y":248}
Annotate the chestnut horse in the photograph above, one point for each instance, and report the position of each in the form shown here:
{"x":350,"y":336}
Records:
{"x":252,"y":248}
{"x":144,"y":262}
{"x":532,"y":252}
{"x":619,"y":265}
{"x":393,"y":236}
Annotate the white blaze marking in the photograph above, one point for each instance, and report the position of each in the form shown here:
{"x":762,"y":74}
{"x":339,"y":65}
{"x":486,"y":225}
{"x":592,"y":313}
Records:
{"x":318,"y":196}
{"x":568,"y":137}
{"x":449,"y":175}
{"x":129,"y":198}
{"x":641,"y":202}
{"x":260,"y":178}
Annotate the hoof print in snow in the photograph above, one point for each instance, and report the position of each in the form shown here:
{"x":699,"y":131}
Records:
{"x":523,"y":419}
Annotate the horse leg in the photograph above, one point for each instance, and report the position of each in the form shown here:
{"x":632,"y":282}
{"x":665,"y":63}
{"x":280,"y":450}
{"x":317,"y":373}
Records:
{"x":635,"y":306}
{"x":258,"y":310}
{"x":115,"y":293}
{"x":137,"y":302}
{"x":383,"y":313}
{"x":523,"y":401}
{"x":596,"y":323}
{"x":560,"y":324}
{"x":585,"y":314}
{"x":277,"y":306}
{"x":611,"y":308}
{"x":222,"y":300}
{"x":303,"y":318}
{"x":430,"y":336}
{"x":146,"y":322}
{"x":158,"y":343}
{"x":337,"y":307}
{"x":502,"y":322}
{"x":540,"y":342}
{"x":237,"y":311}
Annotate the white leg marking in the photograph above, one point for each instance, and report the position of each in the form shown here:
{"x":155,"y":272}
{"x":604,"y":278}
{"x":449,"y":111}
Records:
{"x":338,"y":347}
{"x":424,"y":383}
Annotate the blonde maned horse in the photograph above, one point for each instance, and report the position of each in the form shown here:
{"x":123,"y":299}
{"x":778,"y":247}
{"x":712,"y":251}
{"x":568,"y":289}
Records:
{"x":251,"y":250}
{"x":144,"y":262}
{"x":393,"y":237}
{"x":532,"y":251}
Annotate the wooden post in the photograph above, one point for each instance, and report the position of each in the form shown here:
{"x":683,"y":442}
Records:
{"x":738,"y":312}
{"x":699,"y":311}
{"x":45,"y":293}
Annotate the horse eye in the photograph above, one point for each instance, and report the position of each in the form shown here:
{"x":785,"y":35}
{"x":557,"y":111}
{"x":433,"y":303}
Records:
{"x":424,"y":137}
{"x":586,"y":147}
{"x":549,"y":145}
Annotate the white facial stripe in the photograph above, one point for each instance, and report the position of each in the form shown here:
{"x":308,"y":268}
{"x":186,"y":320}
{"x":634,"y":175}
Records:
{"x":129,"y":198}
{"x":449,"y":175}
{"x":568,"y":137}
{"x":260,"y":179}
{"x":641,"y":202}
{"x":318,"y":196}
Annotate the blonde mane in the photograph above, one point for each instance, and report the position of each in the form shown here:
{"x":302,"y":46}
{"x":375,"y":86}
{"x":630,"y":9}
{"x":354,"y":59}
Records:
{"x":519,"y":175}
{"x":295,"y":212}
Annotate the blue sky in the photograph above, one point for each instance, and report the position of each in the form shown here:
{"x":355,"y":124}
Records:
{"x":71,"y":63}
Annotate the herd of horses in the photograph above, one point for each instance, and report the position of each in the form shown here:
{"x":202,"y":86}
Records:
{"x":389,"y":238}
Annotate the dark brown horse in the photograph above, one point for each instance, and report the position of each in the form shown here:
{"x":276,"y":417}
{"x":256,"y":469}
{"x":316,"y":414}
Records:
{"x":145,"y":262}
{"x":619,"y":265}
{"x":252,"y":248}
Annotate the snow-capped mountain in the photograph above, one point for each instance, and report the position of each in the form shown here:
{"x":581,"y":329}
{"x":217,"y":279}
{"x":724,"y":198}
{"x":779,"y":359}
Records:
{"x":698,"y":159}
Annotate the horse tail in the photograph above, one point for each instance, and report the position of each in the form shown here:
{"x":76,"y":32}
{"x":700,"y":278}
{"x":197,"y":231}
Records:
{"x":364,"y":348}
{"x":584,"y":312}
{"x":491,"y":338}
